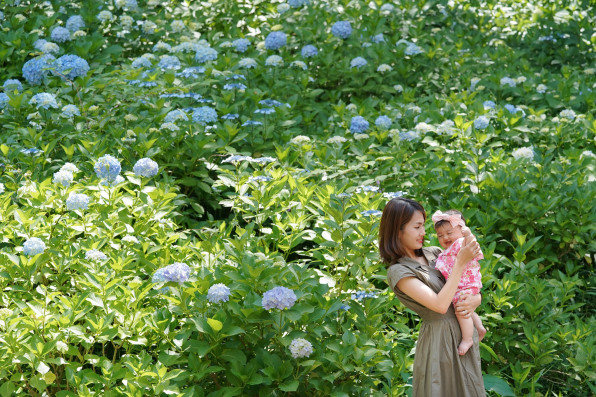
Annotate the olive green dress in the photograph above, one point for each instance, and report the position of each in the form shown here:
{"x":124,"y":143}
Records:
{"x":439,"y":371}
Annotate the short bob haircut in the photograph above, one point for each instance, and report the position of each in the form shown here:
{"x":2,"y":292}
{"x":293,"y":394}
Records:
{"x":396,"y":215}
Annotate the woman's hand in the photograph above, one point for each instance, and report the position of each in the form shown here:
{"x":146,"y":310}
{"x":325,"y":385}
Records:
{"x":467,"y":304}
{"x":468,"y":252}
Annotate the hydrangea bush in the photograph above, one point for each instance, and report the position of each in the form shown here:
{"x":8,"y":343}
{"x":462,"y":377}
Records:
{"x":191,"y":195}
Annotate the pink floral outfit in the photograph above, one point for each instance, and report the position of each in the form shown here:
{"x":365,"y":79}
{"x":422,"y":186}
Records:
{"x":471,"y":279}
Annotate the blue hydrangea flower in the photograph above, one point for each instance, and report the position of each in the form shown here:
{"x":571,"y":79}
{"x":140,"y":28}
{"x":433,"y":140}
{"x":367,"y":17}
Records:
{"x":161,"y":46}
{"x":361,"y":295}
{"x":175,"y":115}
{"x":298,"y":3}
{"x":300,"y":348}
{"x":34,"y":70}
{"x":70,"y":111}
{"x":391,"y":195}
{"x":279,"y":298}
{"x":523,"y":153}
{"x":514,"y":109}
{"x":234,"y":86}
{"x":488,"y":105}
{"x":383,"y":122}
{"x":12,"y":85}
{"x":145,"y":167}
{"x":275,"y":40}
{"x":75,"y":23}
{"x":236,"y":158}
{"x":247,"y":63}
{"x":358,"y":62}
{"x":95,"y":255}
{"x":481,"y":122}
{"x":568,"y":114}
{"x":283,"y":7}
{"x":259,"y":178}
{"x":508,"y":81}
{"x":205,"y":54}
{"x":372,"y":213}
{"x":230,"y":116}
{"x":309,"y":51}
{"x":379,"y":38}
{"x":358,"y":125}
{"x":409,"y":135}
{"x":177,"y":272}
{"x":141,"y":62}
{"x":274,"y":60}
{"x":248,"y":123}
{"x":108,"y":168}
{"x":33,"y":246}
{"x":241,"y":45}
{"x":218,"y":293}
{"x":263,"y":160}
{"x":44,"y":100}
{"x":342,"y":29}
{"x":204,"y":115}
{"x":3,"y":100}
{"x":412,"y":49}
{"x":191,"y":73}
{"x":63,"y":178}
{"x":77,"y":201}
{"x":265,"y":111}
{"x":169,"y":62}
{"x":60,"y":34}
{"x":72,"y":66}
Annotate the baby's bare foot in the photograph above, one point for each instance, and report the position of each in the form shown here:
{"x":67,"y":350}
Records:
{"x":464,"y":346}
{"x":481,"y":333}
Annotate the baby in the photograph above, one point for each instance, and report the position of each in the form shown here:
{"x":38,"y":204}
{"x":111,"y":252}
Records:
{"x":452,"y":234}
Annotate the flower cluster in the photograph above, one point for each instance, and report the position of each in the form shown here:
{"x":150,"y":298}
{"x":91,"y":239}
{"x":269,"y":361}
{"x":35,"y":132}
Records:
{"x":274,"y":60}
{"x":358,"y":62}
{"x":309,"y":51}
{"x":372,"y":213}
{"x":3,"y":100}
{"x":275,"y":40}
{"x":241,"y":45}
{"x":34,"y":70}
{"x":169,"y":62}
{"x":278,"y":298}
{"x":300,"y":348}
{"x":69,"y":111}
{"x":60,"y":34}
{"x":95,"y":255}
{"x":44,"y":100}
{"x":13,"y":85}
{"x":508,"y":81}
{"x":204,"y":115}
{"x":107,"y":168}
{"x":145,"y":167}
{"x":218,"y":293}
{"x":33,"y":246}
{"x":358,"y":125}
{"x":176,"y":272}
{"x":383,"y":122}
{"x":205,"y":54}
{"x":481,"y":122}
{"x":63,"y":178}
{"x":523,"y":153}
{"x":175,"y":115}
{"x":361,"y":295}
{"x":75,"y":23}
{"x":342,"y":29}
{"x":77,"y":201}
{"x":71,"y":66}
{"x":247,"y":63}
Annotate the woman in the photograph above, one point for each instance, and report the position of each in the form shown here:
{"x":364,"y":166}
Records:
{"x":438,"y":369}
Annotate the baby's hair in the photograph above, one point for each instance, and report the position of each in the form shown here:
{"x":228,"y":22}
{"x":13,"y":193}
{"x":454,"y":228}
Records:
{"x":449,"y":212}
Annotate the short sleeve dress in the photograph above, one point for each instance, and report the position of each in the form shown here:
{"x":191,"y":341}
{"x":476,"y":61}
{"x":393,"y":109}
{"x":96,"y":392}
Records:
{"x":438,"y":369}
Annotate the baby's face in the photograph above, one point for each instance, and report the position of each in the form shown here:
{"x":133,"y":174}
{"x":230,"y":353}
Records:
{"x":448,"y":234}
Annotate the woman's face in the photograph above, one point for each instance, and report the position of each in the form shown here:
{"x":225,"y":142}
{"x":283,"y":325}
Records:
{"x":412,"y":235}
{"x":448,"y":234}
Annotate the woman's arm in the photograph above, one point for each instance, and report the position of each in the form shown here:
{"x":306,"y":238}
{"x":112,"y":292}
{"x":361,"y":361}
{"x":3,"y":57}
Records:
{"x":440,"y":302}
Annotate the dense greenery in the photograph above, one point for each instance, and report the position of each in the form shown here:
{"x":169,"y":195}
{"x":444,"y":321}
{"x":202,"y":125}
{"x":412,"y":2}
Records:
{"x":268,"y":177}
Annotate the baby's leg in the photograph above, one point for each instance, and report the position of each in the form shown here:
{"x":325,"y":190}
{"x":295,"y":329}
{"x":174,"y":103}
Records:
{"x":467,"y":331}
{"x":479,"y":327}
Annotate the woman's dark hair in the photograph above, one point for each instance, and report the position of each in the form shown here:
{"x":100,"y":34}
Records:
{"x":449,"y":212}
{"x":396,"y":215}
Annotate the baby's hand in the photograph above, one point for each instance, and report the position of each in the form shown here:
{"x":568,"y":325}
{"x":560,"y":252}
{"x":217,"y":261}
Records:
{"x":468,"y":237}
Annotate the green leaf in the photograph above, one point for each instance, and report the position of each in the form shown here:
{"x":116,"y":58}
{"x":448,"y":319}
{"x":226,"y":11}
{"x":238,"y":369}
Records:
{"x":7,"y":389}
{"x":498,"y":385}
{"x":290,"y":386}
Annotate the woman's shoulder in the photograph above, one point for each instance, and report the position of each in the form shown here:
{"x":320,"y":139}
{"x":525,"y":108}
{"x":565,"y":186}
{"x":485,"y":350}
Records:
{"x":431,"y":253}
